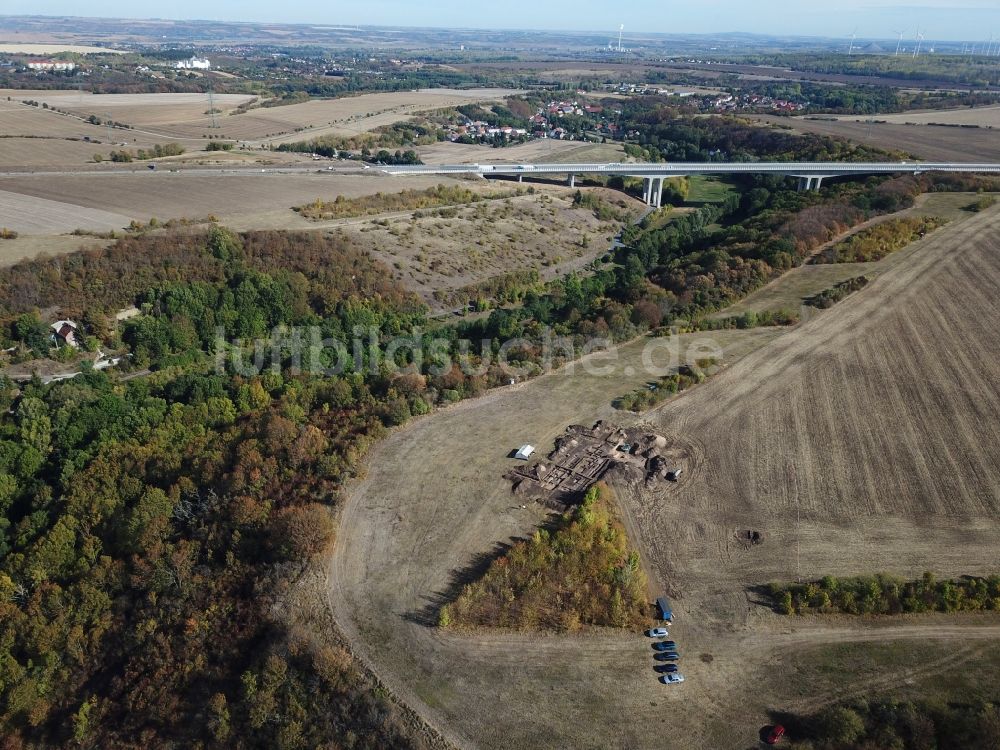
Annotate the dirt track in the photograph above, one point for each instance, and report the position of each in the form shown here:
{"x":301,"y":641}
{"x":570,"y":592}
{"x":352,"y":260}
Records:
{"x":864,"y":440}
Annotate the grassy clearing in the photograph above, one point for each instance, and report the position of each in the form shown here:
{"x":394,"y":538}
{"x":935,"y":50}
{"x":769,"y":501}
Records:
{"x":948,"y":205}
{"x":406,"y":200}
{"x":876,"y":242}
{"x":811,"y":671}
{"x":706,"y":189}
{"x":659,"y":391}
{"x":582,"y":572}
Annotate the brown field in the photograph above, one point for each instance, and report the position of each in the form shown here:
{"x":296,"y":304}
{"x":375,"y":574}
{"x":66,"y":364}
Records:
{"x":543,"y":149}
{"x":346,"y":116}
{"x":20,"y":119}
{"x":863,"y":440}
{"x":27,"y":214}
{"x":18,"y":153}
{"x":490,"y":238}
{"x":157,"y":116}
{"x":50,"y":204}
{"x":36,"y":137}
{"x":53,"y":49}
{"x":925,"y":142}
{"x":184,"y":118}
{"x":986,"y":117}
{"x":25,"y":247}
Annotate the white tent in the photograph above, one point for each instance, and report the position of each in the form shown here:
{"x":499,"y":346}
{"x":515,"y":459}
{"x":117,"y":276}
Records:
{"x":524,"y":452}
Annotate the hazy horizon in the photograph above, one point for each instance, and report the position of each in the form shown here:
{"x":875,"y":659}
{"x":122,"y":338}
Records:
{"x":965,"y":20}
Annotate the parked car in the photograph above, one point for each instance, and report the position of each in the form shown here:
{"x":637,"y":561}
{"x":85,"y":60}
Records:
{"x":667,"y":656}
{"x":657,"y":633}
{"x":670,"y":679}
{"x":776,"y":733}
{"x":666,"y":611}
{"x":665,"y":668}
{"x":665,"y":645}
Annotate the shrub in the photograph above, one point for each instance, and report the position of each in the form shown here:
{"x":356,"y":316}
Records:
{"x":876,"y":242}
{"x":833,"y":295}
{"x":987,"y":201}
{"x":581,"y":573}
{"x":886,"y":594}
{"x":406,"y":200}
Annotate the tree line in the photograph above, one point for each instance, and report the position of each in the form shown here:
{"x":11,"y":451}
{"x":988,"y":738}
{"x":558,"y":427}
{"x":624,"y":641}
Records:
{"x":885,"y":594}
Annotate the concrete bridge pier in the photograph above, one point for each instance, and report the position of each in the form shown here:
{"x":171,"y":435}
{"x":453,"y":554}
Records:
{"x":810,"y":183}
{"x":572,"y":180}
{"x":652,"y":191}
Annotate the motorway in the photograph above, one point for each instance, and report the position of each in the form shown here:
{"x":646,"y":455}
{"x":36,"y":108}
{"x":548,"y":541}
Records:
{"x":670,"y":169}
{"x":810,"y":174}
{"x":638,"y":169}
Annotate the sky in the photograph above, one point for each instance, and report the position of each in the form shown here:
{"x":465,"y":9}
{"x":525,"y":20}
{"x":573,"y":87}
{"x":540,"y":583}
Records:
{"x":877,"y":19}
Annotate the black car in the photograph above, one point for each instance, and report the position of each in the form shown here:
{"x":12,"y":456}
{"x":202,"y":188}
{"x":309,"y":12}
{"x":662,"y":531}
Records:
{"x":665,"y":646}
{"x":667,"y":656}
{"x":665,"y":668}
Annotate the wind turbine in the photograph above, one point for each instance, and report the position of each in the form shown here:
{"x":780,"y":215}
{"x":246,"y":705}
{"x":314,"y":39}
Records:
{"x":899,"y":43}
{"x":920,"y":39}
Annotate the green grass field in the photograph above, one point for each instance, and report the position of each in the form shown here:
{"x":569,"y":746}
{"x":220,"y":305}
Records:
{"x":937,"y":669}
{"x":707,"y":189}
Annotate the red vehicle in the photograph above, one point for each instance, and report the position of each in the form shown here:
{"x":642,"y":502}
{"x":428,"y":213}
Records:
{"x":776,"y":733}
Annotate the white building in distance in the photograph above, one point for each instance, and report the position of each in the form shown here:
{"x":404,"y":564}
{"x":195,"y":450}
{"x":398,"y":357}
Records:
{"x":49,"y":65}
{"x":195,"y":63}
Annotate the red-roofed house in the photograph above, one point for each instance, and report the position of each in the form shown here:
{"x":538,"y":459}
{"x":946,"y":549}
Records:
{"x":64,"y":332}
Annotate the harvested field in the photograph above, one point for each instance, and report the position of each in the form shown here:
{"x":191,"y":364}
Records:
{"x":163,"y":116}
{"x":185,"y":117}
{"x":33,"y":215}
{"x":542,"y":149}
{"x":48,"y":152}
{"x":350,"y":115}
{"x":19,"y":119}
{"x":925,"y":142}
{"x":985,"y":117}
{"x":37,"y":137}
{"x":865,"y":439}
{"x":12,"y":251}
{"x":153,"y":104}
{"x":111,"y":201}
{"x":54,"y":49}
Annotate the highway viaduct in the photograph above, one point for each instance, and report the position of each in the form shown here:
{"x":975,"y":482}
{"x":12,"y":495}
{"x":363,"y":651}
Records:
{"x":810,"y":174}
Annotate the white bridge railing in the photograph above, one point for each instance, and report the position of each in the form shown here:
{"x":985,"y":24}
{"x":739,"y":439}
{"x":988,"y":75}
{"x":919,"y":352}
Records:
{"x":810,"y":174}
